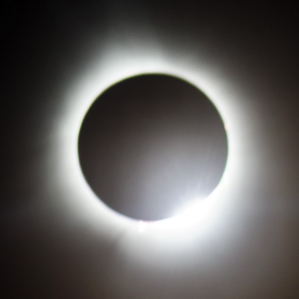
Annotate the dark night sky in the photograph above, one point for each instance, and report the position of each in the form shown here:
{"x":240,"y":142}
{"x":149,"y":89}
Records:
{"x":50,"y":249}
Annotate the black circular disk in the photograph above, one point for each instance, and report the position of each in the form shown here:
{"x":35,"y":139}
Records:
{"x":150,"y":143}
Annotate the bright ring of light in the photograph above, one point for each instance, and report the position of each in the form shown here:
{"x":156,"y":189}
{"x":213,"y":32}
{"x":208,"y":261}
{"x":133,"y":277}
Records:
{"x":94,"y":82}
{"x":93,"y":148}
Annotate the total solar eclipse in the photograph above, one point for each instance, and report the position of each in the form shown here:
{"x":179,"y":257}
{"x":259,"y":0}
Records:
{"x":150,"y":143}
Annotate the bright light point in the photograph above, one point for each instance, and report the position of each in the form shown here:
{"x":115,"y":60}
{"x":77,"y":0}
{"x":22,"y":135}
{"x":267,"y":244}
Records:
{"x":193,"y":213}
{"x":141,"y":226}
{"x":191,"y":209}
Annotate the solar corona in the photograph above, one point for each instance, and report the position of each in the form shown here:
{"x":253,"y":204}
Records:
{"x":149,"y":144}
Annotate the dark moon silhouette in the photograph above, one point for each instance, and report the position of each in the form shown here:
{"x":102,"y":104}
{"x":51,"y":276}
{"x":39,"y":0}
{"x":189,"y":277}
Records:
{"x":150,"y":143}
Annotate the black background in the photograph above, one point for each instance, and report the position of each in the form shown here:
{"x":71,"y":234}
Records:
{"x":45,"y":253}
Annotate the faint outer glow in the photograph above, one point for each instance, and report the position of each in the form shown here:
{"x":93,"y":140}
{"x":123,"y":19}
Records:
{"x":202,"y":216}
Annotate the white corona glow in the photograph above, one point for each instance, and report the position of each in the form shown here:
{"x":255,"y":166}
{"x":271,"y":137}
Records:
{"x":101,"y":72}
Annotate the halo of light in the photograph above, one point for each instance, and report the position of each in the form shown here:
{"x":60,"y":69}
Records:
{"x":84,"y":152}
{"x":104,"y":71}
